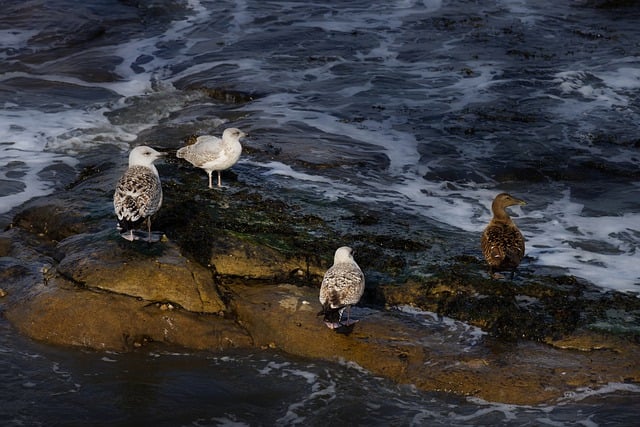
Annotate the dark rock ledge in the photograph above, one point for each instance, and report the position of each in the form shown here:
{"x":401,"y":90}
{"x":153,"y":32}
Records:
{"x":241,"y":271}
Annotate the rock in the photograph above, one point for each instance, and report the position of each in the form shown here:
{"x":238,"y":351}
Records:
{"x":152,"y":272}
{"x":53,"y":220}
{"x":235,"y":257}
{"x":433,"y":354}
{"x":44,"y":305}
{"x":66,"y":315}
{"x":5,"y":246}
{"x":543,"y":309}
{"x":216,"y":282}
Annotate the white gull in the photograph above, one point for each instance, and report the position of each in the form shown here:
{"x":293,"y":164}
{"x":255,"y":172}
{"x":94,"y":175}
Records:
{"x":214,"y":154}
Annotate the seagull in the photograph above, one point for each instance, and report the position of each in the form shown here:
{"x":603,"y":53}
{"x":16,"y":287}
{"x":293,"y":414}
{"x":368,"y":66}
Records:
{"x":502,"y":242}
{"x":138,"y":193}
{"x":214,"y":154}
{"x":342,"y":286}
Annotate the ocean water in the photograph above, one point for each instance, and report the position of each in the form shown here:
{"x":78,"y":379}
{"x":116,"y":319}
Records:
{"x":422,"y":108}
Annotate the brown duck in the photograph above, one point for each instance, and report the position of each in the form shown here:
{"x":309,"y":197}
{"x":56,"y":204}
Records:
{"x":502,"y":243}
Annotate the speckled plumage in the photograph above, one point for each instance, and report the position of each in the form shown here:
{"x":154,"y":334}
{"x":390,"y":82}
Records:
{"x":342,"y":287}
{"x":214,"y":154}
{"x":502,"y":242}
{"x":138,"y":193}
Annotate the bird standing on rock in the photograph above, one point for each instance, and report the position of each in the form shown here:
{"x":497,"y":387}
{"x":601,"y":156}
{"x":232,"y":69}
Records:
{"x":502,"y":242}
{"x":214,"y":154}
{"x":138,"y":193}
{"x":342,"y":286}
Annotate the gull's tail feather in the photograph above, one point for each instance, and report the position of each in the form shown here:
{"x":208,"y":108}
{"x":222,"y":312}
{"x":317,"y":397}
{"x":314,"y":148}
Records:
{"x":331,"y":316}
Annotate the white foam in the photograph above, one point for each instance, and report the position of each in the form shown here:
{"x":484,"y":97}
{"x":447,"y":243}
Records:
{"x":226,"y":422}
{"x":272,"y":366}
{"x":622,"y":78}
{"x":15,"y":39}
{"x":278,"y":168}
{"x":308,"y":376}
{"x":350,"y":364}
{"x":606,"y":89}
{"x":59,"y":371}
{"x":34,"y":185}
{"x":400,"y":147}
{"x":552,"y":242}
{"x":348,"y":19}
{"x":325,"y":393}
{"x":582,"y":393}
{"x":470,"y":335}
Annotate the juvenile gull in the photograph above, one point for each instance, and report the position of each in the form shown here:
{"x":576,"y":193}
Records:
{"x":214,"y":154}
{"x":502,"y":243}
{"x":342,"y":286}
{"x":138,"y":194}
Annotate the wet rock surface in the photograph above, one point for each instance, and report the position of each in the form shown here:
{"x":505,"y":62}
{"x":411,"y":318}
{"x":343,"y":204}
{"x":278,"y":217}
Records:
{"x":532,"y":307}
{"x":65,"y":315}
{"x":241,"y":267}
{"x":138,"y":269}
{"x":431,"y":352}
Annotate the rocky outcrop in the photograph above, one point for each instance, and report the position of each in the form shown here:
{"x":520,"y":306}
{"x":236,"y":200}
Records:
{"x":431,"y":352}
{"x":538,"y":308}
{"x":62,"y":314}
{"x":245,"y":259}
{"x":236,"y":269}
{"x":102,"y":296}
{"x":104,"y":261}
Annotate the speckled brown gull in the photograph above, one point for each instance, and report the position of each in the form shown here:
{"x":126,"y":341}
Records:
{"x":138,"y":193}
{"x":502,"y":242}
{"x":342,"y":287}
{"x":214,"y":154}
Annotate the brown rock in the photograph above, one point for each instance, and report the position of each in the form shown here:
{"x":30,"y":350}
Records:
{"x":86,"y":312}
{"x":65,"y":315}
{"x":153,"y":272}
{"x":234,"y":256}
{"x":108,"y":293}
{"x":53,"y":220}
{"x":5,"y":246}
{"x":432,"y":354}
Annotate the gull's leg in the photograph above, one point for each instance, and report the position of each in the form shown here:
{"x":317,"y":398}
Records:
{"x":219,"y":179}
{"x":210,"y":186}
{"x":349,"y":321}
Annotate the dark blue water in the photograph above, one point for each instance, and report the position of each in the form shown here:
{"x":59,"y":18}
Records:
{"x":425,"y":108}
